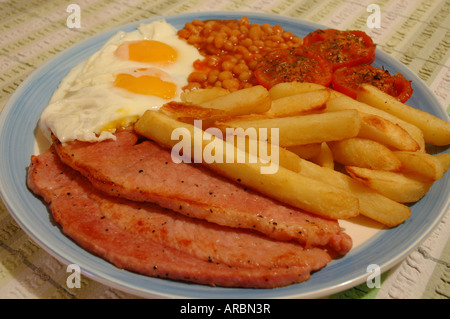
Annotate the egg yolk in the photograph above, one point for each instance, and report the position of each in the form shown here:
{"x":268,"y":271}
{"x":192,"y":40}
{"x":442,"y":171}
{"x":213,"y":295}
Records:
{"x":149,"y":51}
{"x":119,"y":123}
{"x":146,"y":84}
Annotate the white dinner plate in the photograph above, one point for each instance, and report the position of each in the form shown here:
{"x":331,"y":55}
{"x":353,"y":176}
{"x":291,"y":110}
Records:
{"x":18,"y":122}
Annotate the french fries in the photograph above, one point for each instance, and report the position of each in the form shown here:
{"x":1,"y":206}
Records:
{"x":342,"y":102}
{"x":372,"y":204}
{"x":364,"y":153}
{"x":384,"y":156}
{"x":435,"y":130}
{"x":303,"y":129}
{"x":200,"y":96}
{"x":300,"y":103}
{"x":210,"y":105}
{"x":402,"y":188}
{"x":325,"y":157}
{"x":444,"y":159}
{"x":255,"y":99}
{"x":186,"y":112}
{"x":377,"y":128}
{"x":423,"y":164}
{"x":284,"y":185}
{"x":306,"y":151}
{"x":291,"y":88}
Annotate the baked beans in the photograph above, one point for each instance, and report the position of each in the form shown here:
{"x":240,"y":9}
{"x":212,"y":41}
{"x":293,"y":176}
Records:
{"x":231,"y":50}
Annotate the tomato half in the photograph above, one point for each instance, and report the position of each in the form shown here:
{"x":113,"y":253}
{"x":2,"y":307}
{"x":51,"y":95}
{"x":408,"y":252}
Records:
{"x":293,"y":64}
{"x":348,"y":80}
{"x":342,"y":48}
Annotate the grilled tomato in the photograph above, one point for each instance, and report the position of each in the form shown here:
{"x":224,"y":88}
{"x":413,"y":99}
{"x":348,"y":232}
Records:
{"x":341,"y":48}
{"x":293,"y":64}
{"x":348,"y":80}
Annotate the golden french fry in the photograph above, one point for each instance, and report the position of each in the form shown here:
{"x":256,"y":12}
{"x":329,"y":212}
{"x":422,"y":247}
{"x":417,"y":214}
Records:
{"x":287,"y":159}
{"x":420,"y":163}
{"x":444,"y":159}
{"x":210,"y":105}
{"x":335,"y":94}
{"x":303,"y":129}
{"x":300,"y":103}
{"x":364,"y":153}
{"x":435,"y":130}
{"x":263,"y":150}
{"x":400,"y":187}
{"x":199,"y":96}
{"x":283,"y":184}
{"x":187,"y":113}
{"x":325,"y":157}
{"x":306,"y":151}
{"x":291,"y":88}
{"x":372,"y":204}
{"x":255,"y":99}
{"x":344,"y":103}
{"x":379,"y":129}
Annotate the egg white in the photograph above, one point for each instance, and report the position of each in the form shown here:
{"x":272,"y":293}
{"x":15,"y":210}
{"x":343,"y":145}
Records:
{"x":86,"y":100}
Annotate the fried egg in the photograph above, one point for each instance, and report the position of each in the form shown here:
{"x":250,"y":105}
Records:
{"x":131,"y":73}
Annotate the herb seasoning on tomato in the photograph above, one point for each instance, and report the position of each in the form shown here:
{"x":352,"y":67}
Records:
{"x":348,"y":80}
{"x":342,"y":48}
{"x":293,"y":64}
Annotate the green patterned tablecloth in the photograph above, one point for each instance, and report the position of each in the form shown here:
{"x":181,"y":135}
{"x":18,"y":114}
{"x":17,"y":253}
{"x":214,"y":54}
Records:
{"x":416,"y":32}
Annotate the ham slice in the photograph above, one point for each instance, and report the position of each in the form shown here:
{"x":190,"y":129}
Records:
{"x":143,"y":171}
{"x":147,"y":239}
